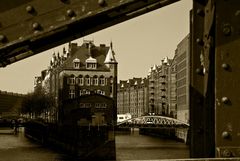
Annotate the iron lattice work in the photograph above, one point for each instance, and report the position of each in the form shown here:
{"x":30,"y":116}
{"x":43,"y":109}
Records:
{"x":153,"y":121}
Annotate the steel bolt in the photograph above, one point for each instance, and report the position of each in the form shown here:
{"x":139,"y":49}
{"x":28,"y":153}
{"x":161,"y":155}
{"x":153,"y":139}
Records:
{"x":200,"y":12}
{"x":225,"y":135}
{"x":225,"y":100}
{"x":102,"y":2}
{"x":225,"y":66}
{"x":36,"y":26}
{"x":29,"y":9}
{"x":227,"y":30}
{"x":199,"y":71}
{"x":199,"y":41}
{"x":70,"y":13}
{"x":2,"y":38}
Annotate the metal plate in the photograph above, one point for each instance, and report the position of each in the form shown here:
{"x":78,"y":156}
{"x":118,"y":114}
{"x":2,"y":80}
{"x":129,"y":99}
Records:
{"x":31,"y":26}
{"x":227,"y":77}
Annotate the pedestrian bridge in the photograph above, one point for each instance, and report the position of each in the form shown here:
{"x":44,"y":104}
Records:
{"x":153,"y":122}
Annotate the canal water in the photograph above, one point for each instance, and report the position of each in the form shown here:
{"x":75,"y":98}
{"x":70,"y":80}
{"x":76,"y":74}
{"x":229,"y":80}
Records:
{"x":134,"y":146}
{"x":129,"y":146}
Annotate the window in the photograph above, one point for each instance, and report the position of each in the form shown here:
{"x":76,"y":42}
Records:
{"x":84,"y":105}
{"x":100,"y":105}
{"x":101,"y":92}
{"x":87,"y":80}
{"x":80,"y":92}
{"x":87,"y":92}
{"x":71,"y":93}
{"x":91,"y":63}
{"x":80,"y":81}
{"x":88,"y":105}
{"x":95,"y":80}
{"x":111,"y":80}
{"x":76,"y":63}
{"x":72,"y":80}
{"x":91,"y":66}
{"x":102,"y":81}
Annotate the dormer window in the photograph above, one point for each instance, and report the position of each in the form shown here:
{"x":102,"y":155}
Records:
{"x":91,"y":63}
{"x":76,"y":63}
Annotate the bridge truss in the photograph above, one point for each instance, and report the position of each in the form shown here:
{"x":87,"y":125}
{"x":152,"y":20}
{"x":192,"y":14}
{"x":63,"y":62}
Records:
{"x":153,"y":122}
{"x":28,"y":27}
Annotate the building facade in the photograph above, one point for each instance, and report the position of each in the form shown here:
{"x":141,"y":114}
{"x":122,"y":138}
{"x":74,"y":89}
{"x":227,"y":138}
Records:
{"x":165,"y":90}
{"x":132,"y":97}
{"x":82,"y":70}
{"x":182,"y":79}
{"x":158,"y":88}
{"x":172,"y":88}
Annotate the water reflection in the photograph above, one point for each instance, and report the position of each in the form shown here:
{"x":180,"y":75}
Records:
{"x":128,"y":146}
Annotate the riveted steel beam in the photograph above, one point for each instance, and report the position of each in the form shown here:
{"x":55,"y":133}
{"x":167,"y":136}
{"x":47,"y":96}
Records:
{"x":227,"y":78}
{"x":28,"y":27}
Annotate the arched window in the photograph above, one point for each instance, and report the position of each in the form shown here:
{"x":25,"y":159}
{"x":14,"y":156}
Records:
{"x":80,"y":80}
{"x":71,"y":80}
{"x":102,"y":81}
{"x":95,"y":80}
{"x":87,"y":80}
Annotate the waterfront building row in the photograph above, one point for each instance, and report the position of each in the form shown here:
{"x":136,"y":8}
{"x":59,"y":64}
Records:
{"x":164,"y":91}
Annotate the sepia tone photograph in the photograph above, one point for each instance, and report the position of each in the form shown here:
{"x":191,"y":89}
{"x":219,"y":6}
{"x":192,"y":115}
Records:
{"x":106,"y":80}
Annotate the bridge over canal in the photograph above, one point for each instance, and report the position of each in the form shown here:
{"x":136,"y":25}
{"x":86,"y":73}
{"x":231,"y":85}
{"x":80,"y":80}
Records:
{"x":153,"y":122}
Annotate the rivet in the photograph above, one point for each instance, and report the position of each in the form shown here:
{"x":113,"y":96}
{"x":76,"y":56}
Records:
{"x":36,"y":26}
{"x":102,"y":2}
{"x":2,"y":38}
{"x":227,"y":30}
{"x":200,"y":12}
{"x":199,"y":71}
{"x":225,"y":66}
{"x":30,"y":9}
{"x":200,"y":41}
{"x":225,"y":100}
{"x":70,"y":13}
{"x":225,"y":135}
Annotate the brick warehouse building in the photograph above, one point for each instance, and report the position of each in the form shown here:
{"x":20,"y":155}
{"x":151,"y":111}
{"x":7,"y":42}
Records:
{"x":83,"y":70}
{"x":132,"y":97}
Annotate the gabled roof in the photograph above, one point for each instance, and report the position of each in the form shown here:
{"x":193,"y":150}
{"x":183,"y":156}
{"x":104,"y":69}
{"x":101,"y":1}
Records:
{"x":98,"y":53}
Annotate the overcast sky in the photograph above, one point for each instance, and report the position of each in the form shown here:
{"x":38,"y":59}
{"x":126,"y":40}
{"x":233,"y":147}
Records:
{"x":139,"y":43}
